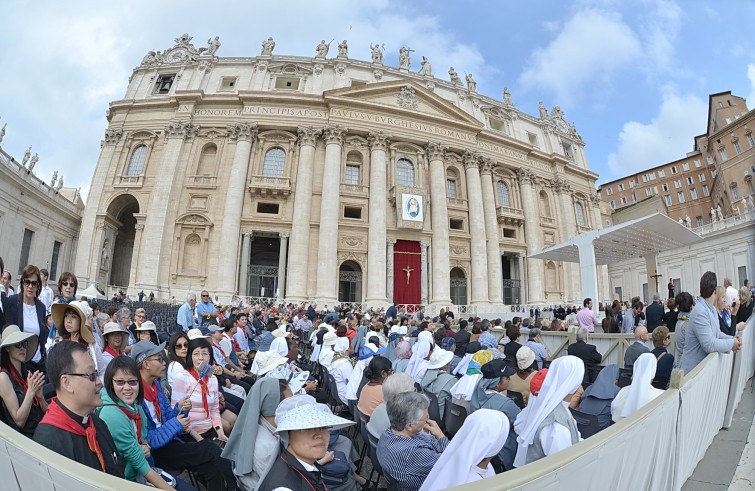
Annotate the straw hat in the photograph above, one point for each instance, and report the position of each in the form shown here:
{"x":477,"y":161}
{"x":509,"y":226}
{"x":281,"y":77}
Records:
{"x":267,"y":360}
{"x":439,"y":358}
{"x":113,"y":327}
{"x":12,"y":335}
{"x":147,"y":326}
{"x":58,"y":311}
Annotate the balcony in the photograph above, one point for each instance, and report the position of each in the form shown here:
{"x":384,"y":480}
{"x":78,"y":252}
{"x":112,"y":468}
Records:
{"x":582,"y":229}
{"x":203,"y":182}
{"x":547,"y":222}
{"x":456,"y":203}
{"x":269,"y":186}
{"x":355,"y":189}
{"x":509,"y":216}
{"x":129,"y":182}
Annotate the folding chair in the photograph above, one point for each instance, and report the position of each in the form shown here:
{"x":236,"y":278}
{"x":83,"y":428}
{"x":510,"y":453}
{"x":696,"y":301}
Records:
{"x":454,"y":418}
{"x":517,"y":397}
{"x":587,"y":424}
{"x":625,"y":377}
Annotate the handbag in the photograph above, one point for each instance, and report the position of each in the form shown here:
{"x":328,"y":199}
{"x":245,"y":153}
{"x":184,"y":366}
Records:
{"x":337,"y":470}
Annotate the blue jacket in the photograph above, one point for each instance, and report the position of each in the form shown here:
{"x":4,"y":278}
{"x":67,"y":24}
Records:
{"x":170,"y":427}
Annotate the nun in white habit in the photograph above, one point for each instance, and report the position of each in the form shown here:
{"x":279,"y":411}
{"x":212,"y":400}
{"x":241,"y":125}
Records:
{"x":467,"y":458}
{"x":548,"y":426}
{"x":639,"y":392}
{"x":417,"y":365}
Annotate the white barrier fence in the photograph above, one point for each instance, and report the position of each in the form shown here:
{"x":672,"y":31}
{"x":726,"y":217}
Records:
{"x":644,"y":451}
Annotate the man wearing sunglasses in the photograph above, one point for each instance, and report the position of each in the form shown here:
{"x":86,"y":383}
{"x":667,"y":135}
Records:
{"x":206,"y":310}
{"x":70,"y":427}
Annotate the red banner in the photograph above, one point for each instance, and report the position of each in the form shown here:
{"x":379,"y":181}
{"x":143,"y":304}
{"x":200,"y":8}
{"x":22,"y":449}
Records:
{"x":407,"y":272}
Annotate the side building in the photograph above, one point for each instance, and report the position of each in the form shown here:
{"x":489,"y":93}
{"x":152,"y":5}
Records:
{"x":39,"y":222}
{"x":331,"y":179}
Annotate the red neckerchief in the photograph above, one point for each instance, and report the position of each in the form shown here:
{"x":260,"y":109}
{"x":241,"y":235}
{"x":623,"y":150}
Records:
{"x":220,"y":349}
{"x":112,"y":352}
{"x":57,"y":417}
{"x":136,"y":418}
{"x":205,"y":390}
{"x":19,"y":379}
{"x":150,"y":394}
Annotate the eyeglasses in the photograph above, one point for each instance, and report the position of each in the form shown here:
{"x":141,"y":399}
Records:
{"x":28,"y":282}
{"x":22,"y":344}
{"x":182,"y":345}
{"x":68,"y":283}
{"x":120,"y":382}
{"x":91,"y":376}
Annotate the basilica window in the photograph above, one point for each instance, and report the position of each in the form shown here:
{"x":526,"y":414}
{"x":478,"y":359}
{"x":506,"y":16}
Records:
{"x":504,"y":197}
{"x":136,"y":164}
{"x":275,"y":160}
{"x":404,"y":172}
{"x":580,"y":214}
{"x":352,"y":174}
{"x":451,"y":188}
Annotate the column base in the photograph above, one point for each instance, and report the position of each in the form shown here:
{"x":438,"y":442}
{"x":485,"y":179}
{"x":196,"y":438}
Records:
{"x":379,"y":303}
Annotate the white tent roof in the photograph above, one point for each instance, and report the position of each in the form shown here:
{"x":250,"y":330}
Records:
{"x":91,"y":292}
{"x":632,"y":239}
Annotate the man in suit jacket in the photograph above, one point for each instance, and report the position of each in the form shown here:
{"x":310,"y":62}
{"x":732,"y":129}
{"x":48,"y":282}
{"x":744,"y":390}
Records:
{"x":654,"y":313}
{"x":588,"y":353}
{"x":637,"y":347}
{"x":703,"y":335}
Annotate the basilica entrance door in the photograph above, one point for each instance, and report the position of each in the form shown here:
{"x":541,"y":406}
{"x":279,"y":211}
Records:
{"x":407,"y":272}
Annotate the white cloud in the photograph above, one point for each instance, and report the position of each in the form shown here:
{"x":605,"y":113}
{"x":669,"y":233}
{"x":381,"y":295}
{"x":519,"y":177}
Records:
{"x":667,"y":137}
{"x":751,"y":76}
{"x":591,"y":47}
{"x":659,"y":29}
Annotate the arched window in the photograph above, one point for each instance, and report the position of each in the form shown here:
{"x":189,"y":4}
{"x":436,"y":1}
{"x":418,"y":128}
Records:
{"x":458,"y":283}
{"x":404,"y":172}
{"x":136,"y":164}
{"x":545,"y":206}
{"x":451,"y":188}
{"x":353,"y":173}
{"x":580,"y":214}
{"x":504,"y":198}
{"x":275,"y":161}
{"x":207,"y":160}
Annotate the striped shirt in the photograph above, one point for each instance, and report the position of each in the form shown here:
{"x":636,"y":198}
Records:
{"x":200,"y":421}
{"x":409,"y":460}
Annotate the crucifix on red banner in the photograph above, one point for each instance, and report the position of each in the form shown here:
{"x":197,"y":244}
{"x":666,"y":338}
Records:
{"x":407,"y":280}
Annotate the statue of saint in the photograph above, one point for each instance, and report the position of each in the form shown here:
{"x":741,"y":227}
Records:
{"x":343,"y":49}
{"x":543,"y":111}
{"x":2,"y":132}
{"x":744,"y":204}
{"x":60,"y":184}
{"x":687,"y":222}
{"x":105,"y":256}
{"x":27,"y":155}
{"x":322,"y":49}
{"x":377,"y":53}
{"x":54,"y":179}
{"x":752,"y":206}
{"x":507,"y":96}
{"x":712,"y":215}
{"x":557,"y":112}
{"x":718,"y":213}
{"x":268,"y":47}
{"x":404,"y":60}
{"x":33,"y":162}
{"x":426,"y":69}
{"x":455,"y":79}
{"x":471,"y":84}
{"x":213,"y":45}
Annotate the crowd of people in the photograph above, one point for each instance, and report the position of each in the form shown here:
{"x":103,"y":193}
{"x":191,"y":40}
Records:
{"x":266,"y":397}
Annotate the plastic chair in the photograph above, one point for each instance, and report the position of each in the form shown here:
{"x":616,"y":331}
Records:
{"x":454,"y":418}
{"x":517,"y":397}
{"x":587,"y":424}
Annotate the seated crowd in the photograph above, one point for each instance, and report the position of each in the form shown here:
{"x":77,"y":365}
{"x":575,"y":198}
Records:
{"x":231,"y":402}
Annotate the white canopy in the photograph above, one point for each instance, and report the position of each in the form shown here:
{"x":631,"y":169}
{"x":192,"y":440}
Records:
{"x":91,"y":292}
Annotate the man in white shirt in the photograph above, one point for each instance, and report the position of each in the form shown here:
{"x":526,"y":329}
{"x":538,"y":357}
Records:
{"x":731,"y":293}
{"x":46,"y":296}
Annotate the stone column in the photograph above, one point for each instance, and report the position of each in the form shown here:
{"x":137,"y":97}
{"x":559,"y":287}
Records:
{"x":87,"y":252}
{"x":568,"y":223}
{"x":281,"y":293}
{"x":243,"y":134}
{"x":534,"y":281}
{"x":520,"y":260}
{"x":244,"y":268}
{"x":389,"y":269}
{"x":495,"y":279}
{"x":423,"y":247}
{"x":441,"y":293}
{"x":298,"y":253}
{"x":161,"y":196}
{"x":376,"y":258}
{"x":478,"y":248}
{"x":603,"y":286}
{"x":327,"y":250}
{"x":135,"y":275}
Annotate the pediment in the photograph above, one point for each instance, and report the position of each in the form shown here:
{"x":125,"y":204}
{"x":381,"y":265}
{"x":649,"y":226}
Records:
{"x":404,"y":96}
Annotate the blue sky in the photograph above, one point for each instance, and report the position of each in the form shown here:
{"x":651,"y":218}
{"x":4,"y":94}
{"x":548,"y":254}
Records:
{"x":634,"y":76}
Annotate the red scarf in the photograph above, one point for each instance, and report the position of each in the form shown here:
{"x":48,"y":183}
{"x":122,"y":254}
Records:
{"x":150,"y":394}
{"x":112,"y":352}
{"x":220,"y":349}
{"x":57,"y":417}
{"x":17,"y":377}
{"x":136,"y":418}
{"x":205,"y":390}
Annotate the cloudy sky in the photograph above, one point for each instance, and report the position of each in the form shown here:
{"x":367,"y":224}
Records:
{"x":633,"y":75}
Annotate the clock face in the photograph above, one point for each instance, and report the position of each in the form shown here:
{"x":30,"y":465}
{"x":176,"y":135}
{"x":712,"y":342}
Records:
{"x":561,"y":124}
{"x":177,"y":55}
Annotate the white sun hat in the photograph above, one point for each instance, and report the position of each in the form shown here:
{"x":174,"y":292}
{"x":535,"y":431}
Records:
{"x":305,"y":415}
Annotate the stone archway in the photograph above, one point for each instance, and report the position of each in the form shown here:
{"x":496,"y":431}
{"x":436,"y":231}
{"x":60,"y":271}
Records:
{"x":350,"y":282}
{"x":458,"y":287}
{"x":120,"y":214}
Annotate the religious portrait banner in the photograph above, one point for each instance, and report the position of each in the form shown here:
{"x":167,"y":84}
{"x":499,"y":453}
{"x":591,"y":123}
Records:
{"x":412,"y":208}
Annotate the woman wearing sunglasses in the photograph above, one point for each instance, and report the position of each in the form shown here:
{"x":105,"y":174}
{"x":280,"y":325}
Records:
{"x":20,"y":390}
{"x":178,"y":347}
{"x":28,"y":312}
{"x":121,"y":410}
{"x":75,"y":321}
{"x":67,"y":286}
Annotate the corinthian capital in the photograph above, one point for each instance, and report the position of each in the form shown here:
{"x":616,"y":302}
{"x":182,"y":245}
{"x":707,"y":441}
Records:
{"x":308,"y":135}
{"x":525,"y":176}
{"x":435,"y":151}
{"x":112,"y":135}
{"x":242,"y":131}
{"x":595,"y":198}
{"x":487,"y":165}
{"x":378,"y":140}
{"x":191,"y":130}
{"x":175,"y":129}
{"x":334,"y":134}
{"x":471,"y":159}
{"x":560,"y":185}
